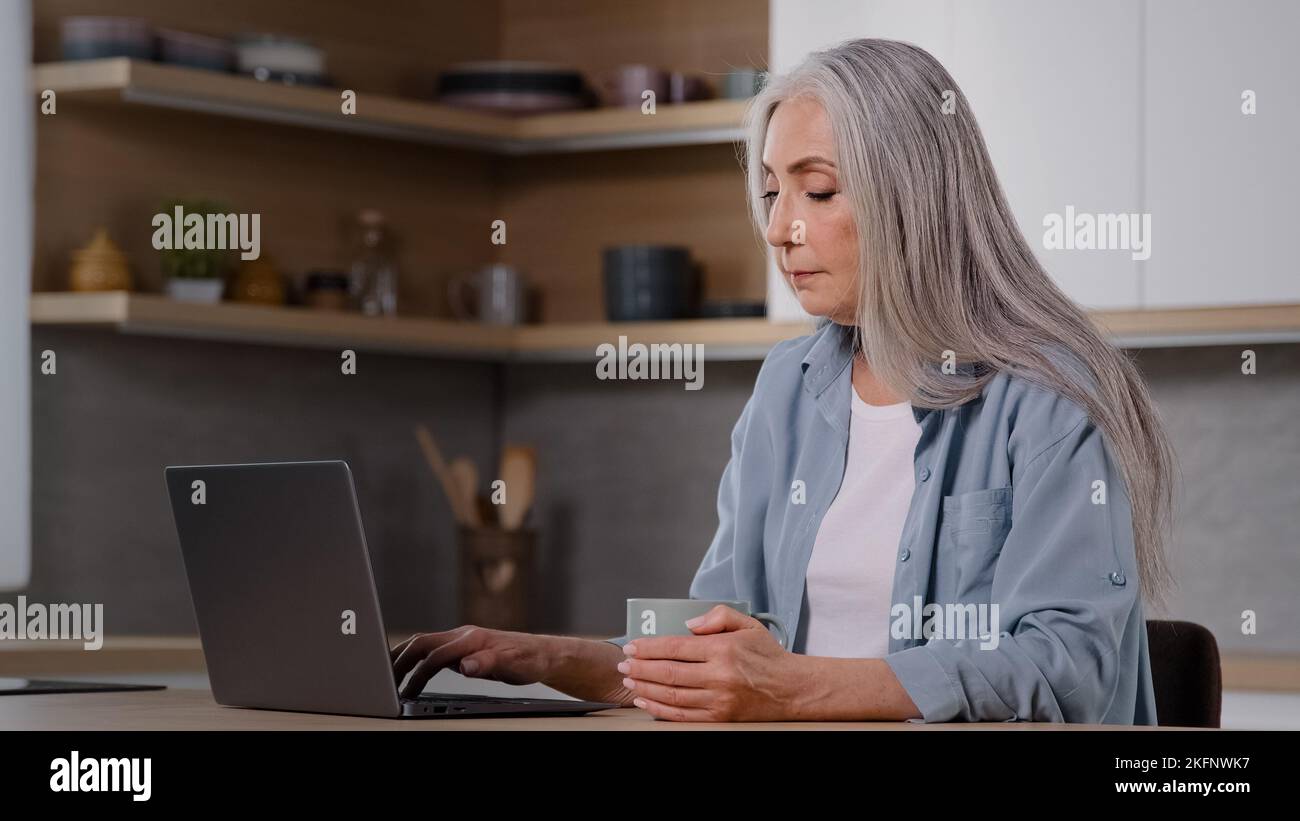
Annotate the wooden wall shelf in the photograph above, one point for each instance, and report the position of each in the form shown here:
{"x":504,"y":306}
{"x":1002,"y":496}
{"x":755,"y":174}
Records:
{"x":724,"y":339}
{"x":1189,"y":327}
{"x":124,"y":80}
{"x":155,"y":315}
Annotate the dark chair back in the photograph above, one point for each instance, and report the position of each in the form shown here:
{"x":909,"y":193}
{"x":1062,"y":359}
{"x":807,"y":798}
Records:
{"x":1185,"y":674}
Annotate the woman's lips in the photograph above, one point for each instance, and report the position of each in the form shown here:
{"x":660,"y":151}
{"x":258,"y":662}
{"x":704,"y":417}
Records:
{"x":798,"y":274}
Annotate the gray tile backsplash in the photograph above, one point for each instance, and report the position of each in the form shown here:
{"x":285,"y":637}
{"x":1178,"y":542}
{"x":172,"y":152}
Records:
{"x":627,"y":481}
{"x":123,"y":407}
{"x":1237,"y":437}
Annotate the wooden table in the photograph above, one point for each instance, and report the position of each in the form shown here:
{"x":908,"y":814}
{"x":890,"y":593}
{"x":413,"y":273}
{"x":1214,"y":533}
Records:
{"x":181,"y":709}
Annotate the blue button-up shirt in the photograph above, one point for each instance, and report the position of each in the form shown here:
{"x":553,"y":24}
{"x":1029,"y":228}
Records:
{"x":1017,"y":503}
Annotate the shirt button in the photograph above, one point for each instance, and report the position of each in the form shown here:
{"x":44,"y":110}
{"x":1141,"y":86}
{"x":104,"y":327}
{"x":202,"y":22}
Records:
{"x":1117,"y":579}
{"x":905,"y":555}
{"x":925,"y":474}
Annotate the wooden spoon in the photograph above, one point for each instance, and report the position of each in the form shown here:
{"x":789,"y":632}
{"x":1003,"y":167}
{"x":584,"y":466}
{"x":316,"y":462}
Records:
{"x":465,"y":477}
{"x":434,"y":457}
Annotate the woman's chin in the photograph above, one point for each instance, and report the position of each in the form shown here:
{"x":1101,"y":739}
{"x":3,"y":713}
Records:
{"x":814,"y":304}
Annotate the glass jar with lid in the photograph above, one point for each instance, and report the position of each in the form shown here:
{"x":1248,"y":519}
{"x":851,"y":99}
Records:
{"x":373,"y":275}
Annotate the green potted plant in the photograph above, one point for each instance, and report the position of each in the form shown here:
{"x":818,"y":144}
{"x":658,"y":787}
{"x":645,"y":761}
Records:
{"x":195,"y":274}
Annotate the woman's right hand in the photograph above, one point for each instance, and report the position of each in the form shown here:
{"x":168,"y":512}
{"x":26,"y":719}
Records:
{"x":499,"y":655}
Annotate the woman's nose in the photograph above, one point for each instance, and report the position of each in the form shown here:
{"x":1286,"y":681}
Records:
{"x":779,"y":225}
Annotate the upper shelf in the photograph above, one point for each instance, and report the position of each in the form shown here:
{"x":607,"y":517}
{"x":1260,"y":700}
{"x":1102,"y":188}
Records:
{"x":231,"y":95}
{"x":723,"y":339}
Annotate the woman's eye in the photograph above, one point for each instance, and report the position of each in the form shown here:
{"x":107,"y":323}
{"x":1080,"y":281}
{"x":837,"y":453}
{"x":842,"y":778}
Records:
{"x":819,"y":196}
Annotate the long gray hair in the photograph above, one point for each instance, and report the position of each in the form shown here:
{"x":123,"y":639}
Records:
{"x":943,"y":266}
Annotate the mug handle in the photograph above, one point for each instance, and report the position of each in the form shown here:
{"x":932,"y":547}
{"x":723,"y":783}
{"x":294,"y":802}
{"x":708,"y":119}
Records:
{"x":773,"y":621}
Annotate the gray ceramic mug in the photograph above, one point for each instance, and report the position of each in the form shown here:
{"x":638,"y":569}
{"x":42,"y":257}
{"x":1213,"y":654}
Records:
{"x":668,"y":617}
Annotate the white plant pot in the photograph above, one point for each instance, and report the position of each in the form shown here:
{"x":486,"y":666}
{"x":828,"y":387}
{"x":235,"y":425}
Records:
{"x":196,"y":290}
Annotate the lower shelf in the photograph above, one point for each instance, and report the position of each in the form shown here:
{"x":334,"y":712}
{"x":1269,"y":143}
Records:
{"x":723,"y":339}
{"x":151,"y":314}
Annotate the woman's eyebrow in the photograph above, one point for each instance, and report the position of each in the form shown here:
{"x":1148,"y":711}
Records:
{"x":802,"y":163}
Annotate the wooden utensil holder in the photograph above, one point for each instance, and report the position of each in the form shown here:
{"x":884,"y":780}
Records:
{"x":496,"y":572}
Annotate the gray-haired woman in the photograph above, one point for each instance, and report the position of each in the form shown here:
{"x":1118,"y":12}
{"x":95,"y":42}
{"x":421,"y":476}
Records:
{"x":955,"y":492}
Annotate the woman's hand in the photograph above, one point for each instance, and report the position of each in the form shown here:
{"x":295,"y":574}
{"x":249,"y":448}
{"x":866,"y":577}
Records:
{"x":478,"y":652}
{"x":732,"y":669}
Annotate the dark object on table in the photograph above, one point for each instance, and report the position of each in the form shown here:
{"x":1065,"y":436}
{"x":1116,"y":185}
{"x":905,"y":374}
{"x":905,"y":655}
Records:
{"x":38,"y":686}
{"x":647,"y":282}
{"x":512,"y":87}
{"x":91,"y":38}
{"x":719,"y":308}
{"x":195,"y":50}
{"x":1185,"y":674}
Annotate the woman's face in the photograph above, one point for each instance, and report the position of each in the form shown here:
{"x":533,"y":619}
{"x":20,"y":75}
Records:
{"x":803,"y":187}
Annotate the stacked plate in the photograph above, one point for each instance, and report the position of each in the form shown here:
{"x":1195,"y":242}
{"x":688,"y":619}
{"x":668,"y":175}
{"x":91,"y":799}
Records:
{"x":513,"y":87}
{"x":90,"y":37}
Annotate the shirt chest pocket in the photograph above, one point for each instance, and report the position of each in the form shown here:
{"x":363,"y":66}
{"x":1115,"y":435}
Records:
{"x":970,"y":542}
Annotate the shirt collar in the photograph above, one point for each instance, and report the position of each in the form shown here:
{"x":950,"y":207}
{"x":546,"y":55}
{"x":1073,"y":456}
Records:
{"x":831,"y":352}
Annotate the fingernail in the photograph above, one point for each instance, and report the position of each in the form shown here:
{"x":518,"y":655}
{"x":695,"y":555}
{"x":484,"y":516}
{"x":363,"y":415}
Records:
{"x":624,"y":666}
{"x":639,"y":702}
{"x":629,"y":684}
{"x":469,"y":667}
{"x":695,"y":622}
{"x":629,"y":649}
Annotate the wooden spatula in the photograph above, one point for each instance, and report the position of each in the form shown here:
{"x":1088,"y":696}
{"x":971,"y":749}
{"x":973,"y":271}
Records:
{"x":519,"y":472}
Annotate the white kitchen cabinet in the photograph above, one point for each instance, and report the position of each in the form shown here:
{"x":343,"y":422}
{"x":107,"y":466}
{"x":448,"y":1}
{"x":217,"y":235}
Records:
{"x":1055,"y":88}
{"x":797,"y":27}
{"x":1221,"y":184}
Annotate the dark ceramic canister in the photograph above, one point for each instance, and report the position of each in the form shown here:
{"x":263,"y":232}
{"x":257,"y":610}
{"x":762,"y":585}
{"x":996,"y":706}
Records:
{"x":649,"y":282}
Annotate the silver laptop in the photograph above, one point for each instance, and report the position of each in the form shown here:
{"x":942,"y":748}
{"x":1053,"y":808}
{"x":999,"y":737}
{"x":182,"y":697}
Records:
{"x":285,"y":599}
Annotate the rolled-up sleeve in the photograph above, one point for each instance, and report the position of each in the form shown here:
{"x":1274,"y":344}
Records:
{"x":1065,"y":583}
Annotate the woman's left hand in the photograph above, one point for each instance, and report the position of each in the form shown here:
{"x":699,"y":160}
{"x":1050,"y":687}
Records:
{"x":732,"y":669}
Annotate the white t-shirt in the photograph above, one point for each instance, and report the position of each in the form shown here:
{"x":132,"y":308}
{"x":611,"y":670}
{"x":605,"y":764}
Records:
{"x":850,"y":580}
